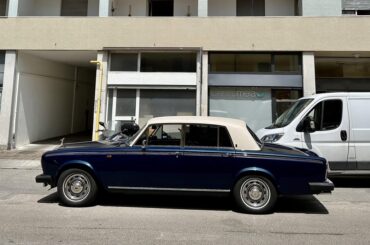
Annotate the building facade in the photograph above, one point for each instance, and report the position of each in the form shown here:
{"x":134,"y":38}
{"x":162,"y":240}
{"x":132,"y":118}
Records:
{"x":247,"y":59}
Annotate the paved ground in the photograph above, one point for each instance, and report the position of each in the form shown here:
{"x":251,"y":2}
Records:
{"x":31,"y":214}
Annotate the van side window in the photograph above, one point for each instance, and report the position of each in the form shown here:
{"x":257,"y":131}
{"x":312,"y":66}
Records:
{"x":327,"y":115}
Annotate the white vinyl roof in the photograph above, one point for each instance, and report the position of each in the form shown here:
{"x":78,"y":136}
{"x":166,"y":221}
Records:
{"x":239,"y":133}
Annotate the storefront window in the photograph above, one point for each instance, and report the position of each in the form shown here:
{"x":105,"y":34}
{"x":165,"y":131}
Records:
{"x":140,"y":105}
{"x":254,"y":62}
{"x":252,"y":105}
{"x":124,"y":62}
{"x":156,"y":103}
{"x":126,"y":102}
{"x":282,"y":100}
{"x":168,"y":62}
{"x":286,"y":63}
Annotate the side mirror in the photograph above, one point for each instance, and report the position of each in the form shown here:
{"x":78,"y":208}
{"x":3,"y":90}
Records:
{"x":102,"y":124}
{"x":309,"y":125}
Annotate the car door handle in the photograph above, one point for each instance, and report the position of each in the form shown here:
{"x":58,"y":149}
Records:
{"x":343,"y":135}
{"x":176,"y":154}
{"x":227,"y":154}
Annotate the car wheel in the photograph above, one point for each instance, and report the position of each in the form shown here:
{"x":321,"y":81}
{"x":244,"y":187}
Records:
{"x":76,"y":188}
{"x":255,"y":194}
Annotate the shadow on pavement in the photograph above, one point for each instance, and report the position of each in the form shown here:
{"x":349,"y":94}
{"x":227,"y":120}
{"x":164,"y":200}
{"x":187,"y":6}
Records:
{"x":300,"y":204}
{"x":351,"y":182}
{"x":286,"y":204}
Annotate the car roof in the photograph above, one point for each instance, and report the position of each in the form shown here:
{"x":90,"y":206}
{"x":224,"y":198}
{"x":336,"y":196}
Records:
{"x":220,"y":121}
{"x":239,"y":134}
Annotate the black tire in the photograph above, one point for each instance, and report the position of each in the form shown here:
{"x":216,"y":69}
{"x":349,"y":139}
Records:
{"x":77,"y":188}
{"x":255,"y":194}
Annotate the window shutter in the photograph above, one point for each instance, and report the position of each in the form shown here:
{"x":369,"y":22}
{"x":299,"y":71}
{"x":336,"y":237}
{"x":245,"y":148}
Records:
{"x":356,"y":4}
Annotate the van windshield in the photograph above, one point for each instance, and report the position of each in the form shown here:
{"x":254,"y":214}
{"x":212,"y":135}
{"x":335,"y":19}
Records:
{"x":290,"y":114}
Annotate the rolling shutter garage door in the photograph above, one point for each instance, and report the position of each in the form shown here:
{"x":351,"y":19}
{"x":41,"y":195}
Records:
{"x":74,"y":7}
{"x":356,"y":4}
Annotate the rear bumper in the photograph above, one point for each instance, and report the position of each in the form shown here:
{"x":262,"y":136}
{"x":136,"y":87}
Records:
{"x":321,"y":187}
{"x":46,"y":179}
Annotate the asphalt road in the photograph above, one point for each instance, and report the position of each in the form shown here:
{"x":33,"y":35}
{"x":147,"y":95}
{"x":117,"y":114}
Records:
{"x":31,"y":214}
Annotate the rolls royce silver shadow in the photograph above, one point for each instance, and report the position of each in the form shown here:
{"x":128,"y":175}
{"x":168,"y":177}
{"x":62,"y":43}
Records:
{"x":186,"y":154}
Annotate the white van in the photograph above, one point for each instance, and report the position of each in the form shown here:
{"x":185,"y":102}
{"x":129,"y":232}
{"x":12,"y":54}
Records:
{"x":335,"y":126}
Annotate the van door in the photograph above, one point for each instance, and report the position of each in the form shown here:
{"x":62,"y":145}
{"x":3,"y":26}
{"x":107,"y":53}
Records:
{"x":331,"y":136}
{"x":360,"y":131}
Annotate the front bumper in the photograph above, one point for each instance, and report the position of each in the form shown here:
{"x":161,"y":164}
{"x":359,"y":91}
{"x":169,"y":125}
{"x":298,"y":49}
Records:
{"x":46,"y":179}
{"x":321,"y":187}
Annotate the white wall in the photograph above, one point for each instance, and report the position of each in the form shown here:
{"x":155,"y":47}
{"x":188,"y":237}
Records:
{"x":152,"y":78}
{"x":181,"y":7}
{"x":279,"y":7}
{"x":221,"y":8}
{"x":45,"y":99}
{"x":138,"y":7}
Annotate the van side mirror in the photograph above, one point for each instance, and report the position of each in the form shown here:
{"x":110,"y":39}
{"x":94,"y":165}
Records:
{"x":309,"y":125}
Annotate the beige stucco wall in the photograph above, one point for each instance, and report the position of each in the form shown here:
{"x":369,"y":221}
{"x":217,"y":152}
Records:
{"x":212,"y":33}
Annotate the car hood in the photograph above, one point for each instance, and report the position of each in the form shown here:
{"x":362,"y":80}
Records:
{"x":87,"y":144}
{"x":281,"y":149}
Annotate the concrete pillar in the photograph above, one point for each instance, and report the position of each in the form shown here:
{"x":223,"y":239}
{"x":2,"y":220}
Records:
{"x":309,"y":79}
{"x":103,"y":58}
{"x":8,"y":101}
{"x":203,"y":8}
{"x":204,"y":93}
{"x":199,"y":83}
{"x":12,"y":8}
{"x":104,"y":8}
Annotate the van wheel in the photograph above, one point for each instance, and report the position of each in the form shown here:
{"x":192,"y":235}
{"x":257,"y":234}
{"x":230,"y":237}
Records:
{"x":77,"y":188}
{"x":255,"y":194}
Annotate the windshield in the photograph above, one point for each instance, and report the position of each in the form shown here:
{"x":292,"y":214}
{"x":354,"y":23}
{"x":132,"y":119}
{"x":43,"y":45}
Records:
{"x":133,"y":137}
{"x":290,"y":114}
{"x":255,"y":137}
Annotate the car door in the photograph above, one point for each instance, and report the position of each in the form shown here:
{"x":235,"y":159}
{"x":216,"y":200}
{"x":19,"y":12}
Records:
{"x":149,"y":164}
{"x":331,"y":136}
{"x":207,"y":158}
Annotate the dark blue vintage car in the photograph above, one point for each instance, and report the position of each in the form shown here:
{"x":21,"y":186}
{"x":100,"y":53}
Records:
{"x":186,"y":154}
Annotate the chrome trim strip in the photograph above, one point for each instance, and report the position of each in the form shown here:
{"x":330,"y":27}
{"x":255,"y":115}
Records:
{"x":165,"y":189}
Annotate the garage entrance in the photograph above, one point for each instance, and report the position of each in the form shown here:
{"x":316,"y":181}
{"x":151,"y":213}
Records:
{"x":55,"y":95}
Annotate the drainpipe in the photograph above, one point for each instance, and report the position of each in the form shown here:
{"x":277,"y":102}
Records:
{"x":97,"y":113}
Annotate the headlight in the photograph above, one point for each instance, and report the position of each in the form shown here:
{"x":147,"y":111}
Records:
{"x":270,"y":138}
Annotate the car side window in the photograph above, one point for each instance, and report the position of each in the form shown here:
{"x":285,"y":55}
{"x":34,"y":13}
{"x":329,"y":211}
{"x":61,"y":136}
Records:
{"x":206,"y":136}
{"x":165,"y":134}
{"x":327,"y":115}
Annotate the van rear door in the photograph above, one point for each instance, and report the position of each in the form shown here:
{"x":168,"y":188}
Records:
{"x":331,"y":136}
{"x":359,"y":109}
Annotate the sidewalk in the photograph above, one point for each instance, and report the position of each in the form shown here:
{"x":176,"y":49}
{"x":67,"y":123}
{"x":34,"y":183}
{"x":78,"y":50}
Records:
{"x":26,"y":157}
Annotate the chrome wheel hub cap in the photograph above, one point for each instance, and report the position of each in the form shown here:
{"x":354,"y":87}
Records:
{"x":255,"y":193}
{"x":76,"y":187}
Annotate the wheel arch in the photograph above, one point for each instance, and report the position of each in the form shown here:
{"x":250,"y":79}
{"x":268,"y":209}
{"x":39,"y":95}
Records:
{"x":78,"y":164}
{"x":258,"y":172}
